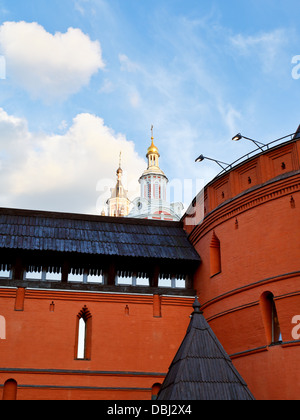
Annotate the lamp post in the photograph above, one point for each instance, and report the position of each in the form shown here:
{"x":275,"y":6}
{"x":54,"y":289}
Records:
{"x":238,"y":137}
{"x":220,"y":163}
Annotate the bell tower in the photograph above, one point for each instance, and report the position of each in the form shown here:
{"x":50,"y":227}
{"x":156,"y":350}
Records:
{"x":152,"y":203}
{"x":153,"y":181}
{"x":118,"y":203}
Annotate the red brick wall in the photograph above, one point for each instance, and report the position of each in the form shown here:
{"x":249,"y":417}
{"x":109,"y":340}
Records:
{"x":258,"y":226}
{"x":131,"y":348}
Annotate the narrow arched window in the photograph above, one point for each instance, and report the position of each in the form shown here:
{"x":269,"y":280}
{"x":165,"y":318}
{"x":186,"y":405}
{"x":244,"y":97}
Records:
{"x":155,"y":391}
{"x":10,"y":390}
{"x":83,"y":335}
{"x":81,"y":339}
{"x":2,"y":328}
{"x":270,"y":318}
{"x":215,"y":256}
{"x":156,"y":190}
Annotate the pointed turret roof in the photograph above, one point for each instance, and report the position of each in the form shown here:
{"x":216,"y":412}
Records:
{"x":201,"y":369}
{"x":297,"y":134}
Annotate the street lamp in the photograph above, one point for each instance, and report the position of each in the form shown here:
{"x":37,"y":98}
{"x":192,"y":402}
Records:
{"x":201,"y":158}
{"x":238,"y":137}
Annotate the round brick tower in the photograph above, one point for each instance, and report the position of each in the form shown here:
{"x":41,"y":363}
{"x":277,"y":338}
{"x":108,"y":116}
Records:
{"x":245,"y":226}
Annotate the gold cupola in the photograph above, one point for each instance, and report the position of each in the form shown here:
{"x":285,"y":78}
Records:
{"x":153,"y":155}
{"x":152,"y":150}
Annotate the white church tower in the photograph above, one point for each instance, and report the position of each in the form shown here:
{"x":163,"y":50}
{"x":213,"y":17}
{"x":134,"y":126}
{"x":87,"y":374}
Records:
{"x":118,"y":203}
{"x":152,"y":203}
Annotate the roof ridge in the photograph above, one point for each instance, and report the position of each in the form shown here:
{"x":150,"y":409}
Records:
{"x":89,"y":217}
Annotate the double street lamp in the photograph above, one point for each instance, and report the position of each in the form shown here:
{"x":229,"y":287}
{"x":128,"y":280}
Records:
{"x":260,"y":145}
{"x":237,"y":137}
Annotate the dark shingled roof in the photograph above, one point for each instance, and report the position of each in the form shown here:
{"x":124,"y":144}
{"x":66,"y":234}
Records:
{"x":201,"y":369}
{"x":98,"y":235}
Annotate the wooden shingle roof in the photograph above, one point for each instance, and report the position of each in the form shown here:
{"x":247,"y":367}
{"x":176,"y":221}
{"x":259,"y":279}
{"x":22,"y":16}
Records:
{"x":97,"y":235}
{"x":201,"y":369}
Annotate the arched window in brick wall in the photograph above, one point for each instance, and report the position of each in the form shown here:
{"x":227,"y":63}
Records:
{"x":83,"y":340}
{"x":270,"y":318}
{"x":155,"y":390}
{"x":10,"y":390}
{"x":215,"y":255}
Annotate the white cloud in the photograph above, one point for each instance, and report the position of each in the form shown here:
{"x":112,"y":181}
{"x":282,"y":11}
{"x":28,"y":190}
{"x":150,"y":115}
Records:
{"x":230,"y":116}
{"x":69,"y":172}
{"x":107,"y":87}
{"x":127,"y":64}
{"x":134,"y":98}
{"x":49,"y":66}
{"x":267,"y":46}
{"x":79,"y":6}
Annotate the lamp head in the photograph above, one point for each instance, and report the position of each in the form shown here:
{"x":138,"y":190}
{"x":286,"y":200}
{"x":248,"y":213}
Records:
{"x":200,"y":158}
{"x":237,"y":137}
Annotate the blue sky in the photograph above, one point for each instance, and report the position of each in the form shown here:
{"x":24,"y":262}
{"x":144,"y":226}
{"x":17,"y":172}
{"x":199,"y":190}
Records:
{"x":85,"y":79}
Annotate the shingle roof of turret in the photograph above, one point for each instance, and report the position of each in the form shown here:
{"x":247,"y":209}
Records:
{"x":201,"y":369}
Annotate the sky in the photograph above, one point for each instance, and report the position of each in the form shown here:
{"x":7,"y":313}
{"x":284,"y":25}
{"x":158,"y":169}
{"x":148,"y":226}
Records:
{"x":83,"y":80}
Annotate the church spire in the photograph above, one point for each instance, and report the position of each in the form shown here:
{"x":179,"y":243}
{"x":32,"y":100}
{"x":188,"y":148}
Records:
{"x":118,"y":203}
{"x":152,"y":203}
{"x":120,"y":170}
{"x":120,"y":159}
{"x":152,"y":153}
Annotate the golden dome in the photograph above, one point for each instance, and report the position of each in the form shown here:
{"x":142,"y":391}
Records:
{"x":152,"y":149}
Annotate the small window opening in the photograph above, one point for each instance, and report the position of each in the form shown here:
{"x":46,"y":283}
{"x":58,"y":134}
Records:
{"x":141,"y":281}
{"x":292,"y":202}
{"x":81,"y":339}
{"x":30,"y":274}
{"x":5,"y":272}
{"x":2,"y":328}
{"x":76,"y":278}
{"x":128,"y":279}
{"x":174,"y":281}
{"x":164,"y":281}
{"x":149,"y":191}
{"x":83,"y":335}
{"x":215,"y":256}
{"x":155,"y":391}
{"x":180,"y":283}
{"x":270,"y":318}
{"x":52,"y":275}
{"x":99,"y":279}
{"x":123,"y":279}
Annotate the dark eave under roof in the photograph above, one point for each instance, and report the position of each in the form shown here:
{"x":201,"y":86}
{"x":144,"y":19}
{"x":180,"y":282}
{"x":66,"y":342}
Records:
{"x":94,"y":235}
